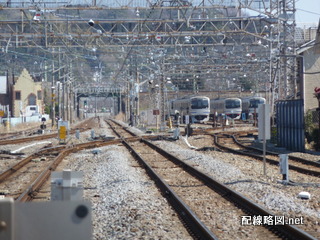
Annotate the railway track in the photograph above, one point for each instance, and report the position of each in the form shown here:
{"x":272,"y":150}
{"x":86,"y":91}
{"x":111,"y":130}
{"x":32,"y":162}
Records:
{"x":199,"y":199}
{"x":37,"y":138}
{"x":207,"y":129}
{"x":15,"y":137}
{"x":230,"y":143}
{"x":39,"y":177}
{"x":24,"y":179}
{"x":27,"y":132}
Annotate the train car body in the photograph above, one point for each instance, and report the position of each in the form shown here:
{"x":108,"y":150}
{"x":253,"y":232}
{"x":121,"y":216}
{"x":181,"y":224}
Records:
{"x":229,"y":107}
{"x":196,"y":107}
{"x":250,"y":105}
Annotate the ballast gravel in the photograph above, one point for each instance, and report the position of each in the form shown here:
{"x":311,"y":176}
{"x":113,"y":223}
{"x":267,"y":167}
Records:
{"x":127,"y":205}
{"x":121,"y":192}
{"x":263,"y":189}
{"x":125,"y":202}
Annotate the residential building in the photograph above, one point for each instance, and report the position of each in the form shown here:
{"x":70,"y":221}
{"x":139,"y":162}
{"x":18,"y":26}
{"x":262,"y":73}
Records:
{"x":27,"y":99}
{"x":309,"y":71}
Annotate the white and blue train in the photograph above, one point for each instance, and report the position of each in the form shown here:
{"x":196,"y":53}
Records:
{"x":196,"y":107}
{"x":230,"y":108}
{"x":250,"y":105}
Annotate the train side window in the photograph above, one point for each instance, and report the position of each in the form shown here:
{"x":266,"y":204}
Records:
{"x":199,"y":103}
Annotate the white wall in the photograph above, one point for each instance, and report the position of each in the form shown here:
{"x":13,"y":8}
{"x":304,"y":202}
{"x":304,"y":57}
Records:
{"x":15,"y":121}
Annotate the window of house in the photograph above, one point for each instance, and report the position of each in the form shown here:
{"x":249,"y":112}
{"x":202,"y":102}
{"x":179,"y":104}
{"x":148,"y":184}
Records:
{"x":39,"y":95}
{"x":17,"y":95}
{"x":32,"y":99}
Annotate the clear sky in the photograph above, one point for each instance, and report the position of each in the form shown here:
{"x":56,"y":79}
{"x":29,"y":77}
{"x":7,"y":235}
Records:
{"x":308,"y":13}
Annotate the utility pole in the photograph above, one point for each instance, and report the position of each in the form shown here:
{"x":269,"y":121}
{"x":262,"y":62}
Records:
{"x":127,"y":115}
{"x":63,"y":98}
{"x":120,"y":100}
{"x":59,"y":98}
{"x":137,"y":99}
{"x":67,"y":101}
{"x":70,"y":95}
{"x":162,"y":93}
{"x":95,"y":105}
{"x":71,"y":104}
{"x":53,"y":97}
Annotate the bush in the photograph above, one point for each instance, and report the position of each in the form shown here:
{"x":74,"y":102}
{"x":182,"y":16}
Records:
{"x":47,"y":110}
{"x":273,"y":135}
{"x":312,"y":130}
{"x":315,"y":138}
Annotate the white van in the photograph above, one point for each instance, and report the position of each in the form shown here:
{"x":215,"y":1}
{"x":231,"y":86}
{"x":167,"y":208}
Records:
{"x":32,"y":110}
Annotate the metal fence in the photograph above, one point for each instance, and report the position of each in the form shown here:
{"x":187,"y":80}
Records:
{"x":290,"y":125}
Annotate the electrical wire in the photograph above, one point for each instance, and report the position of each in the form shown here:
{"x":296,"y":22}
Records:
{"x":131,"y":48}
{"x":311,"y":73}
{"x":308,"y":11}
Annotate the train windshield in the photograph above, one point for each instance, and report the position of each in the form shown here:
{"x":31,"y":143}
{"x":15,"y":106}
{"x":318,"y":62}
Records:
{"x":254,"y":103}
{"x":198,"y":103}
{"x":233,"y":103}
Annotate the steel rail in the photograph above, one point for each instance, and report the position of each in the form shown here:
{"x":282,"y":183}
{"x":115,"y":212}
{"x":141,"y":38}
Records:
{"x":4,"y":175}
{"x":294,"y":158}
{"x":29,"y":191}
{"x":284,"y":231}
{"x":76,"y":147}
{"x":35,"y":138}
{"x":271,"y":161}
{"x":123,"y":127}
{"x":193,"y":224}
{"x":27,"y":132}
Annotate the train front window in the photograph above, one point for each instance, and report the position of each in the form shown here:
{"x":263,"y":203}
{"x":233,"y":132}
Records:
{"x":254,"y":103}
{"x":233,"y":103}
{"x":199,"y":103}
